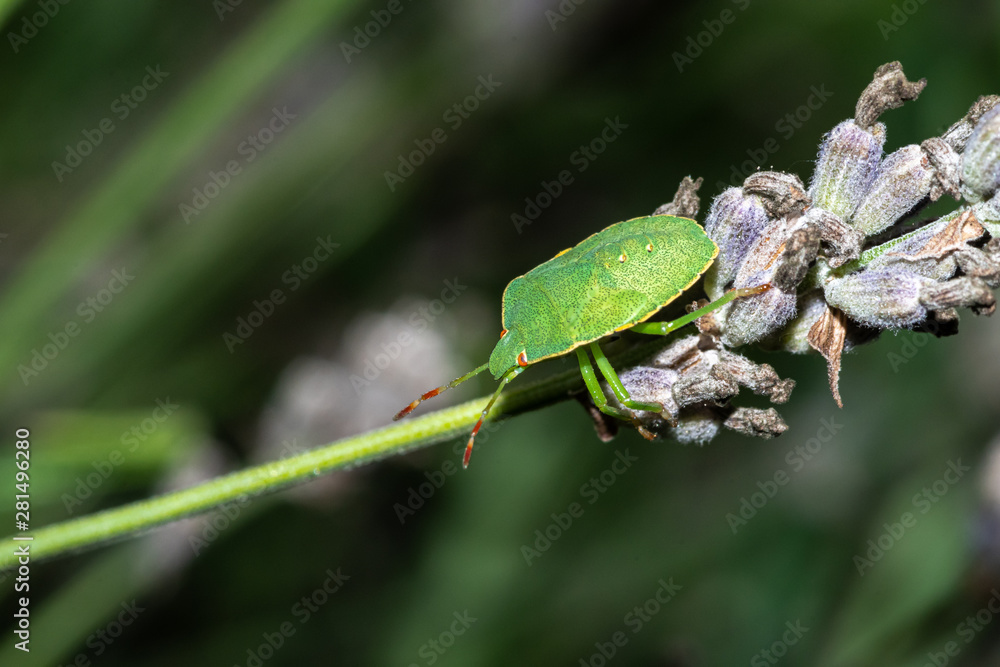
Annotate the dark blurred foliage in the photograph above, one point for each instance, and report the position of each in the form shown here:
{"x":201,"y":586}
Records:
{"x":220,"y":589}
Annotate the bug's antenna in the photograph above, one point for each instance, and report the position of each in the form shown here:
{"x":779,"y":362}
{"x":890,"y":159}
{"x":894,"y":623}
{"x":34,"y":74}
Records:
{"x":511,"y":374}
{"x":434,"y":392}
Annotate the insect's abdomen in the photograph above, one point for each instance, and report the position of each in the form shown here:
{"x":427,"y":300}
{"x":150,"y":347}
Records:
{"x":611,"y":280}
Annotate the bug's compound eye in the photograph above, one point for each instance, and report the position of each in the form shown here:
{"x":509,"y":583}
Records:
{"x":622,"y":258}
{"x":503,"y":333}
{"x":649,"y":247}
{"x":522,"y":359}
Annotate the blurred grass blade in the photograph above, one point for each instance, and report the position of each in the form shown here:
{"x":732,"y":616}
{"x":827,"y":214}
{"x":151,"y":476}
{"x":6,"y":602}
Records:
{"x":118,"y":203}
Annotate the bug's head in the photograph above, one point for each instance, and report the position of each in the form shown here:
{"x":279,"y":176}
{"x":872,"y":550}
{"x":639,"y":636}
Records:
{"x":505,"y":354}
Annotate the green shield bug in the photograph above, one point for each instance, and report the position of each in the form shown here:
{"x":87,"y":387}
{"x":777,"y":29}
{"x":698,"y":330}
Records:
{"x":613,"y":280}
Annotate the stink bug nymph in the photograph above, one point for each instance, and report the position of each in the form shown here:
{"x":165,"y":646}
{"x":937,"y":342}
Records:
{"x":613,"y":280}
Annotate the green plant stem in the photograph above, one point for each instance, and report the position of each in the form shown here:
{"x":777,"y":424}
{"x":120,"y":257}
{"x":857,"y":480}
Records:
{"x":115,"y":524}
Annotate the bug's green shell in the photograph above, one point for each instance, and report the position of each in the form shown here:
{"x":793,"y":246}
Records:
{"x":610,"y":281}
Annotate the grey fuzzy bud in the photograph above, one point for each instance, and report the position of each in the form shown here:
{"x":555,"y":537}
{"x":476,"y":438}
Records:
{"x":981,"y":159}
{"x":794,"y":337}
{"x":959,"y":293}
{"x":848,"y":159}
{"x":751,"y":318}
{"x":883,"y":299}
{"x":697,"y":428}
{"x":734,"y":222}
{"x":958,"y":134}
{"x":903,"y":179}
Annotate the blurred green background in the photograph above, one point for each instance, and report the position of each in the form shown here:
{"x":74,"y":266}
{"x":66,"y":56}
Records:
{"x":168,"y":169}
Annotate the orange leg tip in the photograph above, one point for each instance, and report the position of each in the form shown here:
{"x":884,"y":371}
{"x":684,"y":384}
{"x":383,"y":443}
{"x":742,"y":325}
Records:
{"x":468,"y":455}
{"x":405,"y":411}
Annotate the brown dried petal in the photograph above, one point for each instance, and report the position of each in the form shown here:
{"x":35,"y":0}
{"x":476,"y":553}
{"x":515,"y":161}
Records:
{"x":959,"y":293}
{"x":686,"y":202}
{"x":800,"y":252}
{"x":842,"y":240}
{"x":756,"y":423}
{"x":827,"y":337}
{"x":760,"y":379}
{"x":782,"y":194}
{"x":888,"y":90}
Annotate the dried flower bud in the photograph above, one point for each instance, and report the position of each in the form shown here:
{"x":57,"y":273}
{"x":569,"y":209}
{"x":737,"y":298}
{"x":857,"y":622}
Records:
{"x":959,"y":293}
{"x":884,"y":299}
{"x":848,"y":160}
{"x":958,"y":134}
{"x":947,"y":164}
{"x":843,"y":242}
{"x":686,"y":202}
{"x":756,"y":423}
{"x":734,"y":222}
{"x":930,"y":250}
{"x":903,"y":179}
{"x":752,"y":318}
{"x":782,"y":194}
{"x":800,"y":252}
{"x":697,"y":428}
{"x":888,"y":90}
{"x":981,"y":159}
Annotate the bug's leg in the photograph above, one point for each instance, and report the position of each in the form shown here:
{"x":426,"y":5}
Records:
{"x":434,"y":392}
{"x":601,"y":401}
{"x":510,"y":375}
{"x":621,"y":393}
{"x":664,"y":328}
